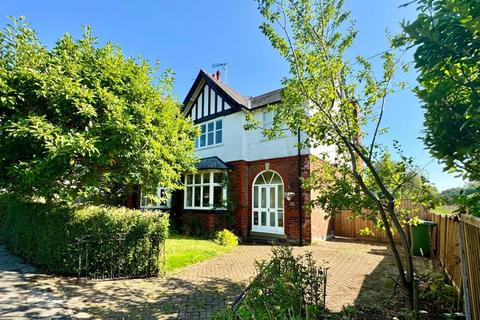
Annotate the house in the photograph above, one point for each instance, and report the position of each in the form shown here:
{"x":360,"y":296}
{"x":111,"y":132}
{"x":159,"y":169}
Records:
{"x":261,"y":177}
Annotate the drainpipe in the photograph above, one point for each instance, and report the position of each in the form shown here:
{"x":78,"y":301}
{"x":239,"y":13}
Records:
{"x":300,"y":205}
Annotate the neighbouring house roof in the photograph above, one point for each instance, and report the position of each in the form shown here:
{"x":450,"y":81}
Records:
{"x":266,"y":99}
{"x":212,"y":163}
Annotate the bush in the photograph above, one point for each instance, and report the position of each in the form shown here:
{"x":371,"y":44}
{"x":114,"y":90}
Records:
{"x":48,"y":236}
{"x":226,"y":238}
{"x":286,"y":287}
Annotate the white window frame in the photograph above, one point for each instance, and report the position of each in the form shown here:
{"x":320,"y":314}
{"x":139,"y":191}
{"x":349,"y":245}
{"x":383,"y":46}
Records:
{"x":160,"y":204}
{"x":197,"y":181}
{"x":215,"y":130}
{"x":267,"y":124}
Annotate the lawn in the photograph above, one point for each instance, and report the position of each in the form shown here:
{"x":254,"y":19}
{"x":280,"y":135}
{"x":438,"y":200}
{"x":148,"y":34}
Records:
{"x":182,"y":251}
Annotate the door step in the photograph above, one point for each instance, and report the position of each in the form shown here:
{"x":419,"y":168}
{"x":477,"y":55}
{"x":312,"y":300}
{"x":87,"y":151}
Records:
{"x":264,"y":237}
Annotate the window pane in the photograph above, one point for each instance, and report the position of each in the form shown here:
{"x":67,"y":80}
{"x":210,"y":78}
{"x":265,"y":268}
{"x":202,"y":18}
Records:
{"x":218,"y":136}
{"x":203,"y":139}
{"x":217,"y":196}
{"x":280,"y":218}
{"x":267,"y":176}
{"x":272,"y":219}
{"x":206,"y":177}
{"x":189,"y":179}
{"x":255,"y":197}
{"x":218,"y":177}
{"x":210,"y":127}
{"x":255,"y":218}
{"x":196,"y":197}
{"x":218,"y":125}
{"x":206,"y":196}
{"x":264,"y":218}
{"x":188,"y":196}
{"x":196,"y":142}
{"x":210,"y":139}
{"x":263,"y":198}
{"x":204,"y":128}
{"x":280,"y":197}
{"x":272,"y":197}
{"x":276,"y":179}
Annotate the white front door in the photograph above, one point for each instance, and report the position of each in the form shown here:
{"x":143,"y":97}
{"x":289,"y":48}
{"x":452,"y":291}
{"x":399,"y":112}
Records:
{"x":267,"y":211}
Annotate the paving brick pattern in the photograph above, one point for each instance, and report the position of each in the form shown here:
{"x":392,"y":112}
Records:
{"x":198,"y":291}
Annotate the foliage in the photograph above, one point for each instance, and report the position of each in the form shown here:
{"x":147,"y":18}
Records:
{"x":83,"y":120}
{"x":182,"y":251}
{"x":446,"y":36}
{"x":47,"y":234}
{"x":462,"y":199}
{"x":340,"y":105}
{"x":286,"y":287}
{"x":226,"y":238}
{"x":435,"y":291}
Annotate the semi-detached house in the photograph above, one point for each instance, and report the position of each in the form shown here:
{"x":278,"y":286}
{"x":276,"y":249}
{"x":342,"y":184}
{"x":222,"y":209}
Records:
{"x":262,"y":175}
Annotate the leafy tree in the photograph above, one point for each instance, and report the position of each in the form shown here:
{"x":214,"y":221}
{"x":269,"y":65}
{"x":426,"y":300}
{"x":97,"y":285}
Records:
{"x":446,"y":37}
{"x":83,"y":120}
{"x":332,"y":99}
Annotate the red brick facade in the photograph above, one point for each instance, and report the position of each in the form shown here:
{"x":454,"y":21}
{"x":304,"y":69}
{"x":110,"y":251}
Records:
{"x":241,"y":178}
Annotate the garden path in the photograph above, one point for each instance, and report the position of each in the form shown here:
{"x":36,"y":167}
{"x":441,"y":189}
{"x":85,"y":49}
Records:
{"x":26,"y":294}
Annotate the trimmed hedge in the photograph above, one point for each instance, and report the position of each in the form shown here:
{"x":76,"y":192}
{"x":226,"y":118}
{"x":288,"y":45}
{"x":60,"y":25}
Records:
{"x":48,"y":236}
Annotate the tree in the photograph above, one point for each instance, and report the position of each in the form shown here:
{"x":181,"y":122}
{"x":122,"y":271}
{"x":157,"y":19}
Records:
{"x":83,"y":120}
{"x":332,"y":100}
{"x":446,"y":37}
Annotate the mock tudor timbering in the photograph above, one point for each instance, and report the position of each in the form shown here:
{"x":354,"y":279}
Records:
{"x":262,"y":175}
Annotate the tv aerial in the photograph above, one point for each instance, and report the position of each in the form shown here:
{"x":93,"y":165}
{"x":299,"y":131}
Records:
{"x":223,"y":67}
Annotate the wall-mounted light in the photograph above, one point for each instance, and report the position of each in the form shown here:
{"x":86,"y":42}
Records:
{"x":289,"y":195}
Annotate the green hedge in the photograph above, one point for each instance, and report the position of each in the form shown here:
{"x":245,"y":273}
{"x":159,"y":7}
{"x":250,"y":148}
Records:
{"x":48,"y":236}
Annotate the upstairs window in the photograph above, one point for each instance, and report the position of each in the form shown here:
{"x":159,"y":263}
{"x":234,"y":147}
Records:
{"x":163,"y":201}
{"x":268,"y":119}
{"x":211,"y":134}
{"x":205,"y":190}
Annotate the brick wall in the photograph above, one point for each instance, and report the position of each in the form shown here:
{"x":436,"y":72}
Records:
{"x":243,"y":177}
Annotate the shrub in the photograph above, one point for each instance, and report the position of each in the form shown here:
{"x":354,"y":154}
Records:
{"x":286,"y":287}
{"x":48,"y":236}
{"x":226,"y":238}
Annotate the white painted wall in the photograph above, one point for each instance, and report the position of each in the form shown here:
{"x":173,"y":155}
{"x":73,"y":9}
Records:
{"x":250,"y":145}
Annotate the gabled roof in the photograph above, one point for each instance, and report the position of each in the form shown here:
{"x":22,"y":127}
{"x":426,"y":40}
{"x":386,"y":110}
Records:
{"x":241,"y":100}
{"x":235,"y":99}
{"x":212,"y":163}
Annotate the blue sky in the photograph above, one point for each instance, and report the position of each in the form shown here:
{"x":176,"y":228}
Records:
{"x":187,"y":35}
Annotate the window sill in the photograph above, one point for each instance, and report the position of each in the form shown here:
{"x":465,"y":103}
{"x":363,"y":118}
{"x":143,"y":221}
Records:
{"x":209,"y":147}
{"x":209,"y":209}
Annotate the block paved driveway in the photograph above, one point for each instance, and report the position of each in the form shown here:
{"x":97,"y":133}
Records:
{"x":197,"y":291}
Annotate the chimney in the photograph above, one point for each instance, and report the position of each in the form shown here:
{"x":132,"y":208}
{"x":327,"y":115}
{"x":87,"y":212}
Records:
{"x":217,"y":75}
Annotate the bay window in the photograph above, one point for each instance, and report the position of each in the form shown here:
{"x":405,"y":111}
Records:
{"x":205,"y":190}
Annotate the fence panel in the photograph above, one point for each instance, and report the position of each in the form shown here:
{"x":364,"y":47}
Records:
{"x":471,"y":227}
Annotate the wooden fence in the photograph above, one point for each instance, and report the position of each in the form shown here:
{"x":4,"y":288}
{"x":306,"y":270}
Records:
{"x":445,"y":246}
{"x":345,"y":226}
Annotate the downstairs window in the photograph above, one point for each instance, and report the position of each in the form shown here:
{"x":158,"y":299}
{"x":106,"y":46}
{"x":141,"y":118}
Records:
{"x":205,"y":190}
